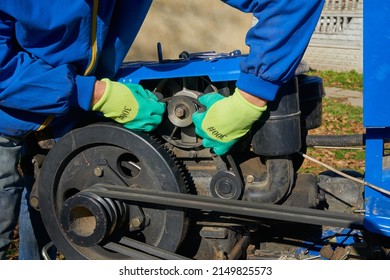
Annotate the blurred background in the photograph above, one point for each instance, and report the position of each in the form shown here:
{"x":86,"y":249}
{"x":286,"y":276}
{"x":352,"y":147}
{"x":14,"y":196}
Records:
{"x":190,"y":25}
{"x":211,"y":25}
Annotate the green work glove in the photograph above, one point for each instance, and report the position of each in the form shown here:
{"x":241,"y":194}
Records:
{"x":131,"y":105}
{"x":225,"y":121}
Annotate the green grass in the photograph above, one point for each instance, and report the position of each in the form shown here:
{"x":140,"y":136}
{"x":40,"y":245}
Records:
{"x":339,"y":118}
{"x":351,"y":80}
{"x":353,"y":114}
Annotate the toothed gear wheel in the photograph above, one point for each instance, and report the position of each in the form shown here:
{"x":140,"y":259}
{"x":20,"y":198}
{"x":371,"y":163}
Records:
{"x":84,"y":226}
{"x":189,"y":184}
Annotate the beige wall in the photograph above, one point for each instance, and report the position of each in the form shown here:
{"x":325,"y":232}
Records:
{"x":191,"y":25}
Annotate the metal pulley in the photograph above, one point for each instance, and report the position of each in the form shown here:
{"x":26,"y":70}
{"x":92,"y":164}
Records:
{"x":81,"y":223}
{"x":226,"y":185}
{"x":180,"y":110}
{"x":87,"y":218}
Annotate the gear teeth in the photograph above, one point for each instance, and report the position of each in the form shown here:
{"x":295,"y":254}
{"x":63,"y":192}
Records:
{"x":184,"y":173}
{"x":189,"y":184}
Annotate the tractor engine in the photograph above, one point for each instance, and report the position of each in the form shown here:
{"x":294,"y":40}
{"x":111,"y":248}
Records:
{"x":105,"y":192}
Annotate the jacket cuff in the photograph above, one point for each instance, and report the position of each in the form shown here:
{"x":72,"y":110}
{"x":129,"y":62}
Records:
{"x":85,"y":86}
{"x":257,"y":86}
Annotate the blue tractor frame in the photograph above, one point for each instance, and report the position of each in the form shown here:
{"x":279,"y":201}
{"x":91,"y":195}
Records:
{"x":376,"y":117}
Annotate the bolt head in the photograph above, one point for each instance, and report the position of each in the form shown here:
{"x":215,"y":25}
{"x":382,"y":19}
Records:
{"x":98,"y":171}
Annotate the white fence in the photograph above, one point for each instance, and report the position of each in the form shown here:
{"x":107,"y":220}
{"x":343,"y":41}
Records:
{"x":337,"y":43}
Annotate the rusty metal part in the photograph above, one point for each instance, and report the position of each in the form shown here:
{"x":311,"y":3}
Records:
{"x":326,"y":252}
{"x":239,"y":248}
{"x":339,"y":253}
{"x":87,"y":219}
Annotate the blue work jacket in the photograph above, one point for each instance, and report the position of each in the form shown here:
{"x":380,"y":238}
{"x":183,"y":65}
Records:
{"x":52,"y":52}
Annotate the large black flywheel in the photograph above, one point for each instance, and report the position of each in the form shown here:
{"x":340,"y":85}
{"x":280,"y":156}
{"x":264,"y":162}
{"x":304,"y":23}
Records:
{"x":83,"y":225}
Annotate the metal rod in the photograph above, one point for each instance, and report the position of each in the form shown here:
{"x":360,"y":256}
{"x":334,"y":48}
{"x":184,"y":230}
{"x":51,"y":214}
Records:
{"x":151,"y":250}
{"x":124,"y":250}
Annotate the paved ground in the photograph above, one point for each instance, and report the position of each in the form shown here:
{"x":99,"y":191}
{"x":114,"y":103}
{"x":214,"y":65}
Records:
{"x":353,"y":97}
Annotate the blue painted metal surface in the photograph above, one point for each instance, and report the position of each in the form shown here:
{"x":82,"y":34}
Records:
{"x":332,"y":236}
{"x":376,"y":55}
{"x":217,"y":69}
{"x":376,"y":100}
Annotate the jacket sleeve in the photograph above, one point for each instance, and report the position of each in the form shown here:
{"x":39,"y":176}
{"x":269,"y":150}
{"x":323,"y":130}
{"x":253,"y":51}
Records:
{"x":29,"y":84}
{"x":277,"y":42}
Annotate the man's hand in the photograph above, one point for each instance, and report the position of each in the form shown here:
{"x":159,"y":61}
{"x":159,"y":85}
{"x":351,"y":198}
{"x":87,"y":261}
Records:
{"x":226,"y":119}
{"x":129,"y":104}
